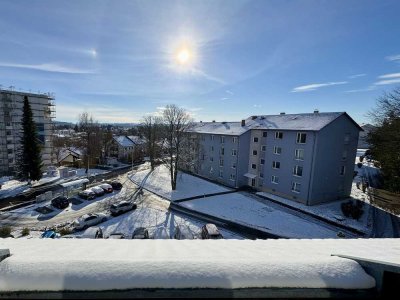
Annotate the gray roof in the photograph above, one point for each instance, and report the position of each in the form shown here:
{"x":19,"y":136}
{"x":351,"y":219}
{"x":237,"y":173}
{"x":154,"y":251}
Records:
{"x":307,"y":121}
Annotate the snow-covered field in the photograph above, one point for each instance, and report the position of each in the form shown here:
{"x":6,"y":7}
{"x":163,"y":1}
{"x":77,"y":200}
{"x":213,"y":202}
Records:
{"x":128,"y":264}
{"x":252,"y":212}
{"x":187,"y":186}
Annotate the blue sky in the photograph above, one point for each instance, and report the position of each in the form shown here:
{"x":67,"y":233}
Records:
{"x":120,"y":60}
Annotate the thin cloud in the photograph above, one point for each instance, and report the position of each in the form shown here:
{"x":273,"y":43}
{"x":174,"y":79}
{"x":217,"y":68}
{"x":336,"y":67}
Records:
{"x":370,"y":88}
{"x":48,"y":68}
{"x":393,"y":57}
{"x":357,"y":75}
{"x":315,"y":86}
{"x":224,"y":98}
{"x":392,"y":75}
{"x":229,"y":92}
{"x":203,"y":74}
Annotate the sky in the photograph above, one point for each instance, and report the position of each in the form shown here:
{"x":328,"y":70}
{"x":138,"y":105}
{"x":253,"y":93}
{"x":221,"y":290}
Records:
{"x":220,"y":60}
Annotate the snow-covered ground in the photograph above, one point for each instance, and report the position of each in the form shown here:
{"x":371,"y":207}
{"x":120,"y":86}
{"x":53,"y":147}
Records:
{"x":83,"y":264}
{"x":159,"y":182}
{"x":252,"y":212}
{"x":331,"y":211}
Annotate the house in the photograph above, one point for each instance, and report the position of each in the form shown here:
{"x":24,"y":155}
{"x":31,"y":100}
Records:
{"x":127,"y":148}
{"x":70,"y":156}
{"x":308,"y":158}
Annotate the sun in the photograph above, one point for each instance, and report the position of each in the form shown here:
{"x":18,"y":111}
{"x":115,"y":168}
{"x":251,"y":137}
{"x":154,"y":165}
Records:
{"x":183,"y":56}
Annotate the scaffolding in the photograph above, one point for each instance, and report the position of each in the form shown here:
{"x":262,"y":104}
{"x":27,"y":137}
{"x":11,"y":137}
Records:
{"x":11,"y":107}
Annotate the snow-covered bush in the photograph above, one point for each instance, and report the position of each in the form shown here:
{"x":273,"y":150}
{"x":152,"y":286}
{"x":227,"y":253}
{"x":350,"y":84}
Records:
{"x":25,"y":231}
{"x":5,"y":231}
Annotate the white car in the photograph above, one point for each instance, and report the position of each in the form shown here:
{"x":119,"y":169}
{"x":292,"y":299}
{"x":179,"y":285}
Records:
{"x":97,"y":190}
{"x":121,"y":207}
{"x":89,"y":220}
{"x":106,"y":187}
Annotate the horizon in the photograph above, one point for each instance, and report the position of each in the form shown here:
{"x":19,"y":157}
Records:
{"x":124,"y":60}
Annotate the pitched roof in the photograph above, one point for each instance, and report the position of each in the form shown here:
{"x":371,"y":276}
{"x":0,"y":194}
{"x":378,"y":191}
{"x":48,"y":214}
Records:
{"x":226,"y":128}
{"x":136,"y":139}
{"x":123,"y":141}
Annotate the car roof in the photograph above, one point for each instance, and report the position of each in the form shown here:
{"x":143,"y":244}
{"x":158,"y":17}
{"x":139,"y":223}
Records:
{"x":212,"y":229}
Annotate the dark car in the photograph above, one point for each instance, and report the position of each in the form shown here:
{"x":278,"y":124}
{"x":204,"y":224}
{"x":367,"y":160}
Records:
{"x":87,"y":194}
{"x":116,"y":185}
{"x":60,"y":202}
{"x":140,"y":233}
{"x":116,"y":236}
{"x":210,"y":231}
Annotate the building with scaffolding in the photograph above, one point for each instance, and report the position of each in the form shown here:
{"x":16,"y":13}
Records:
{"x":11,"y":108}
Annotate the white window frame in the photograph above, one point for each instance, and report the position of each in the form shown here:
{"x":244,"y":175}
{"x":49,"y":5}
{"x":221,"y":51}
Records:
{"x":275,"y":179}
{"x":298,"y":138}
{"x":274,"y":165}
{"x":233,"y":165}
{"x":234,"y":152}
{"x":221,"y":174}
{"x":266,"y":134}
{"x":222,"y":151}
{"x":234,"y":139}
{"x":296,"y":156}
{"x":344,"y":155}
{"x":261,"y":175}
{"x":275,"y":150}
{"x":254,"y":139}
{"x":232,"y":177}
{"x":212,"y":137}
{"x":254,"y":165}
{"x":221,"y":162}
{"x":277,"y":134}
{"x":294,"y":185}
{"x":295,"y":170}
{"x":255,"y":152}
{"x":263,"y":148}
{"x":262,"y":161}
{"x":222,"y":139}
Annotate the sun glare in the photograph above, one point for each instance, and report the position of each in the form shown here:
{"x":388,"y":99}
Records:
{"x":183,"y":56}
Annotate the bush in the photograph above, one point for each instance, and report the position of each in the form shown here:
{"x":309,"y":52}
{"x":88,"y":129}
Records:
{"x":349,"y":209}
{"x":5,"y":231}
{"x":64,"y":231}
{"x":359,"y":165}
{"x":361,"y":158}
{"x":25,"y":231}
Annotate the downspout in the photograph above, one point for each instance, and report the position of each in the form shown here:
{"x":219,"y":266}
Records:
{"x":312,"y":169}
{"x":237,"y":160}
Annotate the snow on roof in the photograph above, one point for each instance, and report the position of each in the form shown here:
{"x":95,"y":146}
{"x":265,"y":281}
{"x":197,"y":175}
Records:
{"x":75,"y":182}
{"x":226,"y":128}
{"x":308,"y":121}
{"x":69,"y":151}
{"x":136,"y":139}
{"x":124,"y":141}
{"x":88,"y":264}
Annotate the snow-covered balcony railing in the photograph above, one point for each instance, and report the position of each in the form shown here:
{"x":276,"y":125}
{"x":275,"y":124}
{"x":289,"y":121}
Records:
{"x":221,"y":267}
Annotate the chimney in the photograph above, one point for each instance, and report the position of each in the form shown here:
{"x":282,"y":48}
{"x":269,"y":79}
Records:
{"x":213,"y":121}
{"x":282,"y":113}
{"x":253,"y":117}
{"x":201,"y":121}
{"x":316,"y":111}
{"x":243,"y":123}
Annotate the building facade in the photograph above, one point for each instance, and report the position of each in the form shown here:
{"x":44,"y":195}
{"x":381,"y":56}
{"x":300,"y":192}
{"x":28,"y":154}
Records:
{"x":308,"y":158}
{"x":11,"y":107}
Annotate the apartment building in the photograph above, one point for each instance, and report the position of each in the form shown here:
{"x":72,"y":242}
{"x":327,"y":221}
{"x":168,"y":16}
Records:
{"x":11,"y":107}
{"x":308,"y":158}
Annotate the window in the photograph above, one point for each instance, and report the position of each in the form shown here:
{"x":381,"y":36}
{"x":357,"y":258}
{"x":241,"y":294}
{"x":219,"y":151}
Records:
{"x":262,"y":161}
{"x":211,"y":170}
{"x":264,"y":134}
{"x":279,"y":135}
{"x":342,"y":170}
{"x":234,"y":165}
{"x":211,"y":158}
{"x":263,"y":148}
{"x":255,"y":140}
{"x":253,"y":166}
{"x":203,"y":157}
{"x":234,"y":140}
{"x":296,"y":187}
{"x":212,"y":148}
{"x":301,"y":138}
{"x":220,"y":173}
{"x":276,"y":164}
{"x":253,"y":182}
{"x":10,"y":151}
{"x":212,"y":137}
{"x":222,"y":138}
{"x":254,"y":152}
{"x":234,"y":152}
{"x":299,"y":154}
{"x":344,"y":154}
{"x":203,"y":137}
{"x":10,"y":160}
{"x":274,"y":179}
{"x":298,"y":171}
{"x":221,"y":162}
{"x":232,"y":177}
{"x":347,"y":138}
{"x":261,"y":175}
{"x":277,"y":150}
{"x":222,"y":151}
{"x":8,"y":132}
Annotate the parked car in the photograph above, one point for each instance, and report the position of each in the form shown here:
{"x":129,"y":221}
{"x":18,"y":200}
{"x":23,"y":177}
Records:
{"x":87,"y":194}
{"x":121,"y":207}
{"x":50,"y":234}
{"x":106,"y":187}
{"x":116,"y":235}
{"x":89,"y":220}
{"x":92,"y":233}
{"x":98,"y":191}
{"x":182,"y":232}
{"x":140,"y":233}
{"x":210,"y":231}
{"x":116,"y":185}
{"x":161,"y":234}
{"x":60,"y":202}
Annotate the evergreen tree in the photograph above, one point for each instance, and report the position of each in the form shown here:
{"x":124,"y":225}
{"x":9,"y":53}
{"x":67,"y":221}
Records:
{"x":385,"y":139}
{"x":30,"y":160}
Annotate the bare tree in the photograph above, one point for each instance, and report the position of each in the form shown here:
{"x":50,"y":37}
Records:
{"x":92,"y":141}
{"x":151,"y":128}
{"x":177,"y":122}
